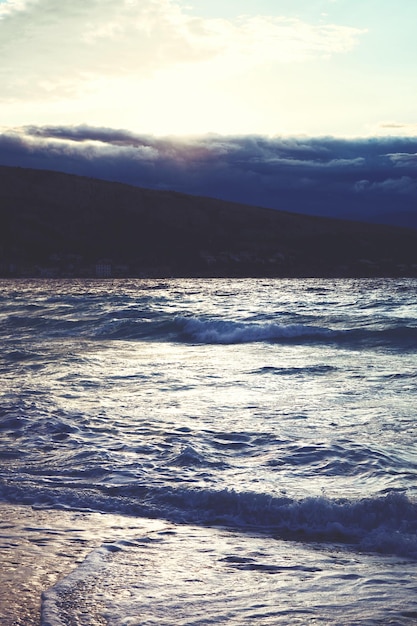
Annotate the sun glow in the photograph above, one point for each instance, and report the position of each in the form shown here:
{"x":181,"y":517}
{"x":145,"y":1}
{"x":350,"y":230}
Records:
{"x":151,"y":67}
{"x":160,"y":67}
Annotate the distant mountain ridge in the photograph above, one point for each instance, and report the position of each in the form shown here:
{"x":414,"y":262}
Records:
{"x":56,"y":224}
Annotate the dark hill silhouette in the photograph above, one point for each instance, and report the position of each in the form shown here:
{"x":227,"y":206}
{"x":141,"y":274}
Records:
{"x":55,"y":224}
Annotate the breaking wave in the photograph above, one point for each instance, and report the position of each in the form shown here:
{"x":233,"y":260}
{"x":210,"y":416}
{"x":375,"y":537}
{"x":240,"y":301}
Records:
{"x":385,"y":524}
{"x":228,"y":332}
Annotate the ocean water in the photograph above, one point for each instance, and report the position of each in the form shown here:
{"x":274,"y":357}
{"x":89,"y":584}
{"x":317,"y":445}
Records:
{"x":257,"y":437}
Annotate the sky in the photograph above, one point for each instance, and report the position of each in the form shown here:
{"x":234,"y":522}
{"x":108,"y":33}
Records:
{"x":191,"y":80}
{"x":316,"y":67}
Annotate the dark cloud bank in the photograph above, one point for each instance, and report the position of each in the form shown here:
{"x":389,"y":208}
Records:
{"x":362,"y":179}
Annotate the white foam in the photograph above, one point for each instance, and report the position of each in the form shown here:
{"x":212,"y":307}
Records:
{"x":230,"y":332}
{"x":188,"y":575}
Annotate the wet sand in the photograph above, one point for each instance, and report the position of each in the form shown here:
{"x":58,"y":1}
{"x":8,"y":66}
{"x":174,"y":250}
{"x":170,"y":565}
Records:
{"x":38,"y":547}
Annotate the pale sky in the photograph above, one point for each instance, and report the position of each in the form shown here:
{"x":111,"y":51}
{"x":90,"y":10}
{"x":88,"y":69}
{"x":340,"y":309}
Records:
{"x":342,"y":68}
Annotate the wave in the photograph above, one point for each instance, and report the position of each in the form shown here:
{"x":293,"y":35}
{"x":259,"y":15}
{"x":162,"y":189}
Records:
{"x":127,"y":325}
{"x":16,"y":356}
{"x":139,"y":325}
{"x":230,"y":332}
{"x":296,"y":371}
{"x":386,"y":524}
{"x":209,"y":331}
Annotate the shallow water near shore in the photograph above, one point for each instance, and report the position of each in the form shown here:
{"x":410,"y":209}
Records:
{"x":255,"y":437}
{"x":39,"y":547}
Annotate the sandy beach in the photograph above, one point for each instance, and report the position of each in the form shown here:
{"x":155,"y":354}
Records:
{"x":38,"y":547}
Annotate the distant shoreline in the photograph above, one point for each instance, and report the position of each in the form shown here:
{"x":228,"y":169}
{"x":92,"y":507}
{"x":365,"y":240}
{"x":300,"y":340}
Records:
{"x":56,"y":225}
{"x":23,"y":277}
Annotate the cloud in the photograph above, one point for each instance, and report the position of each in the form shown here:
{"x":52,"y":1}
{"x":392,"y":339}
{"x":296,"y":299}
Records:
{"x":401,"y":159}
{"x":397,"y":128}
{"x":54,"y":49}
{"x":370,"y":179}
{"x":403,"y":185}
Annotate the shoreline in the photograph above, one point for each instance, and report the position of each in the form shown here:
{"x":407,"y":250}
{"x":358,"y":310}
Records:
{"x":39,"y":547}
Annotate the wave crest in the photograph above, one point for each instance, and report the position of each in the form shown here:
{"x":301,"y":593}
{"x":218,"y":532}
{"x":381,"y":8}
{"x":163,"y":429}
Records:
{"x":230,"y":332}
{"x":385,"y":524}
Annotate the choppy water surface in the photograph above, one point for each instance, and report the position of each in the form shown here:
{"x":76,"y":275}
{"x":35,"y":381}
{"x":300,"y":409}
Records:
{"x":268,"y":427}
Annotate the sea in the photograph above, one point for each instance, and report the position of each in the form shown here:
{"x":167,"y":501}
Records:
{"x":248,"y":444}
